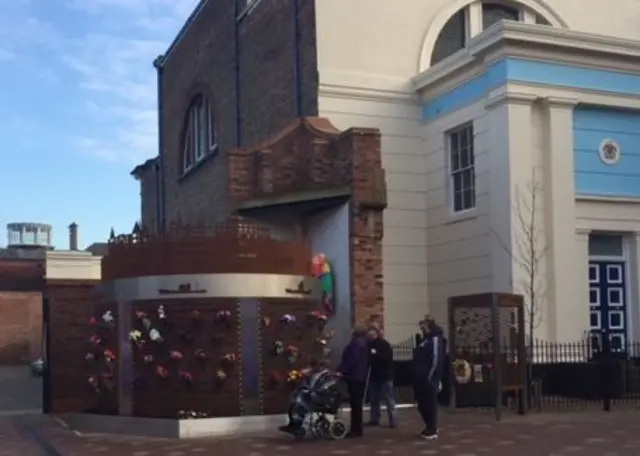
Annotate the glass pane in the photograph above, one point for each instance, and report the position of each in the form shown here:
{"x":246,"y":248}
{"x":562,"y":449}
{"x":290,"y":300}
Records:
{"x":464,"y":178}
{"x":451,"y":38}
{"x":469,"y":198}
{"x":454,"y":147}
{"x":605,"y":245}
{"x":211,"y":129}
{"x":470,"y":178}
{"x":457,"y":182}
{"x":464,"y":138}
{"x":471,"y":145}
{"x":542,"y":21}
{"x":464,"y":158}
{"x":457,"y":201}
{"x":493,"y":13}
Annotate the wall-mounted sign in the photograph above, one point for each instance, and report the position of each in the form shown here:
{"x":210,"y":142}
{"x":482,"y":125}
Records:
{"x":183,"y":288}
{"x":299,"y":290}
{"x":609,"y":152}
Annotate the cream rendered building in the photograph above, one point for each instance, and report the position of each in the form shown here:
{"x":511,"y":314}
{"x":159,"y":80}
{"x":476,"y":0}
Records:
{"x":473,"y":110}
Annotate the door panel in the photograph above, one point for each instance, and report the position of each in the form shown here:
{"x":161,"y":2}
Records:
{"x":607,"y":301}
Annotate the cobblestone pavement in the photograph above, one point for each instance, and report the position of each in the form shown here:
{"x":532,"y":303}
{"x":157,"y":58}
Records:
{"x":588,"y":433}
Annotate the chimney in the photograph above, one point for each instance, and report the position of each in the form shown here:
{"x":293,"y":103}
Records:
{"x":73,"y":236}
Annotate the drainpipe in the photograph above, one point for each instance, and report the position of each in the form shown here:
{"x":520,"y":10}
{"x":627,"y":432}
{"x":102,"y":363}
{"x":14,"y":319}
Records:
{"x":296,"y":60}
{"x":158,"y":65}
{"x":237,"y":75}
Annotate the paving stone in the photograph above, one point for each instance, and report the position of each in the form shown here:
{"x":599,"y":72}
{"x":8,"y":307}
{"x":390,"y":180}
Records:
{"x":467,"y":434}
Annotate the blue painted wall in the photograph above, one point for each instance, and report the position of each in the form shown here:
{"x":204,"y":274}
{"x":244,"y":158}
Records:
{"x":530,"y":71}
{"x":593,"y":177}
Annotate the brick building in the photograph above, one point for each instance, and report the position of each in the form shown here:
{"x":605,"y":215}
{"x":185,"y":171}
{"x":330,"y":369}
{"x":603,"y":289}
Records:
{"x":232,"y":89}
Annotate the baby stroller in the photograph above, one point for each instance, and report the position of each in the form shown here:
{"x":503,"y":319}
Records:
{"x":315,"y":408}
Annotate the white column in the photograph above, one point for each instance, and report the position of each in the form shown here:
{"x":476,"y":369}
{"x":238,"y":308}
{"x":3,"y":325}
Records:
{"x":569,"y":316}
{"x":582,"y":280}
{"x":511,"y":146}
{"x":474,"y":20}
{"x":633,"y":300}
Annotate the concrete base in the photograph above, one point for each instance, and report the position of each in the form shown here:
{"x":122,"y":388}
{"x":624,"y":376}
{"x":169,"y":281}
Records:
{"x":85,"y":423}
{"x":172,"y":429}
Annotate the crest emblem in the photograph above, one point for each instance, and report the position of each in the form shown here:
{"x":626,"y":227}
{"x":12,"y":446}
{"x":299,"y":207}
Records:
{"x":609,"y":152}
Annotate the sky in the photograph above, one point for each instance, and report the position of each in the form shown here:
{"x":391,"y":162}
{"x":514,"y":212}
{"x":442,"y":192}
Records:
{"x":78,"y":109}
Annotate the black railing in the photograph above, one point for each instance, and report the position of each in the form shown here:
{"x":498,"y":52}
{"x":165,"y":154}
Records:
{"x":403,"y":375}
{"x":584,"y":373}
{"x":558,"y":376}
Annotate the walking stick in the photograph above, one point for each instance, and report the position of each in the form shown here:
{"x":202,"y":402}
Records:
{"x":366,"y":385}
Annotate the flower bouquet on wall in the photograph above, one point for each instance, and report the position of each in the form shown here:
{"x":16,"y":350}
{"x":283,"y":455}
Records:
{"x":221,"y":376}
{"x":223,"y":317}
{"x":228,"y":360}
{"x":294,"y":377}
{"x":186,"y":377}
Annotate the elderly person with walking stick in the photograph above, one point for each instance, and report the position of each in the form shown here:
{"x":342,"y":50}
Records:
{"x":353,"y":369}
{"x":428,"y":361}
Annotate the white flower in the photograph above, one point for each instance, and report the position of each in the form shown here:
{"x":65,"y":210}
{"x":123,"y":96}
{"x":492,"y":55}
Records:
{"x":107,"y":317}
{"x":154,"y":335}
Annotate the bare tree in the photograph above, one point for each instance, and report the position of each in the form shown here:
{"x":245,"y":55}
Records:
{"x":528,"y":253}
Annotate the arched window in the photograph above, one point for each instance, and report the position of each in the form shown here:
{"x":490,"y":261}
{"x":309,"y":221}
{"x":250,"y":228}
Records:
{"x":199,"y":136}
{"x":455,"y":33}
{"x":496,"y":12}
{"x":451,"y":38}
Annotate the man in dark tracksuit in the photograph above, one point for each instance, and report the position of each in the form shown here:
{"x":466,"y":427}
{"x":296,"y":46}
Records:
{"x":428,"y":358}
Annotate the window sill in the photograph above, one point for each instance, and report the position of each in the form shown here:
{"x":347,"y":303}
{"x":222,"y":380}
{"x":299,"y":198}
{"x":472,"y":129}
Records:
{"x":199,"y":164}
{"x":462,"y":216}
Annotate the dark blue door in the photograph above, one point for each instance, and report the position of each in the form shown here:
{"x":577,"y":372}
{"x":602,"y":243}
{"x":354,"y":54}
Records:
{"x":607,"y":301}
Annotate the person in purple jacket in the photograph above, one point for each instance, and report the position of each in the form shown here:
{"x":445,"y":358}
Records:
{"x":353,"y":369}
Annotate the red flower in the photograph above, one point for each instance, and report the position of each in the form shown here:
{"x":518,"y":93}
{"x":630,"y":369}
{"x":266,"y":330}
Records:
{"x":95,"y":339}
{"x":109,"y":355}
{"x":175,"y":355}
{"x":93,"y":321}
{"x":162,"y":372}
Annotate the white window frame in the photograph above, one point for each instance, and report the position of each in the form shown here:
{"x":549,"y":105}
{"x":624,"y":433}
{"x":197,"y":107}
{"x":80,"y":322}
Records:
{"x":474,"y":17}
{"x":200,"y":138}
{"x":455,"y":169}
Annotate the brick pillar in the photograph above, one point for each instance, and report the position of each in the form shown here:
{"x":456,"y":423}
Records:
{"x":241,"y":175}
{"x":368,"y":202}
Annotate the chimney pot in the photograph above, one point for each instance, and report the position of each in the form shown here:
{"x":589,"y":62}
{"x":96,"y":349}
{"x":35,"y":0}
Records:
{"x":73,"y":236}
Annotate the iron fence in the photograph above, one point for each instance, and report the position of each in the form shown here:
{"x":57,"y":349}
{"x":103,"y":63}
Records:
{"x":403,"y":375}
{"x":560,"y":376}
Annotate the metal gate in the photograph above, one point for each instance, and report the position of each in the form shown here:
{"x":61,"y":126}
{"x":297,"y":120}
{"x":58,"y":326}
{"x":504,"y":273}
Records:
{"x":487,"y":349}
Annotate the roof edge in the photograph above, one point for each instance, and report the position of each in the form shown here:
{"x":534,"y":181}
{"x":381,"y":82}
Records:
{"x":141,"y":167}
{"x":160,"y":61}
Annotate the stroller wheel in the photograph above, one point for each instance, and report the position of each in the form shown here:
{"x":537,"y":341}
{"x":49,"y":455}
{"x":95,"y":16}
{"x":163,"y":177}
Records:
{"x":337,"y":430}
{"x":322,"y":428}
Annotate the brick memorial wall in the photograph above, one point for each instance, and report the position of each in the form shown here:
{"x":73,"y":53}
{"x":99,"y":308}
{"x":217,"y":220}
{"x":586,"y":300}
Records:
{"x":71,"y":306}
